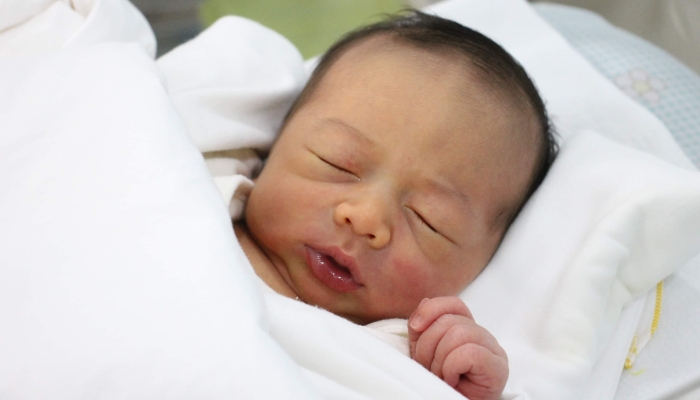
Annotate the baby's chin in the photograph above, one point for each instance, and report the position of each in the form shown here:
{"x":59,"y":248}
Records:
{"x":366,"y":315}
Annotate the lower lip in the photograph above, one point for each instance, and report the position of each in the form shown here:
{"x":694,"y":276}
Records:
{"x":326,"y":270}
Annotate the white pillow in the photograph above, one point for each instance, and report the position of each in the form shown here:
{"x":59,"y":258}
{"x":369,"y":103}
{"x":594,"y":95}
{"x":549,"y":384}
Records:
{"x":120,"y":274}
{"x":252,"y":76}
{"x":608,"y":223}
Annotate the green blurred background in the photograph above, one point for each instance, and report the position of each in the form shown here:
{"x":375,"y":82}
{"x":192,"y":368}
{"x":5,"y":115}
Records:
{"x":312,"y":25}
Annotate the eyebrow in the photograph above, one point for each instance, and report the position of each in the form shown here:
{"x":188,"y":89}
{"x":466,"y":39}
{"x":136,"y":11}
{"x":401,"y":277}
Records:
{"x":350,"y":129}
{"x":450,"y":192}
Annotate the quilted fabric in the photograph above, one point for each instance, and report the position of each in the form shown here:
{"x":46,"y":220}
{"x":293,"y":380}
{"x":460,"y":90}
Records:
{"x":648,"y":74}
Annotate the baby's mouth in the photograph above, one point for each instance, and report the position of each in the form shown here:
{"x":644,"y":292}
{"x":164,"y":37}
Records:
{"x":331,"y":272}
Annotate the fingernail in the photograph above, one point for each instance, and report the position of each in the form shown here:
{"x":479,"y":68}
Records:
{"x":423,"y":301}
{"x":416,"y":323}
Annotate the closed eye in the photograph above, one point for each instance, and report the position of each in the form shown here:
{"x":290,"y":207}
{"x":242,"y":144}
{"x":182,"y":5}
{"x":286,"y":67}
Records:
{"x":424,"y":222}
{"x":335,"y":166}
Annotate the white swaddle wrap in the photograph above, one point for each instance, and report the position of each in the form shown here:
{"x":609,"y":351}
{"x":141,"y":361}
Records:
{"x":36,"y":26}
{"x":237,"y":106}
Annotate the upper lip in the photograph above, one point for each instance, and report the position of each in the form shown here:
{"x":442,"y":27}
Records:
{"x":343,"y":259}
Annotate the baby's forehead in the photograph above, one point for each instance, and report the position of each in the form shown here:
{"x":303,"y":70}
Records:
{"x":388,"y":61}
{"x":448,"y":78}
{"x":447,"y":63}
{"x":384,"y":46}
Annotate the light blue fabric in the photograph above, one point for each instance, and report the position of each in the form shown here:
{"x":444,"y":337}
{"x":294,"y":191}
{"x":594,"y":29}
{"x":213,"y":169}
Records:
{"x":648,"y":74}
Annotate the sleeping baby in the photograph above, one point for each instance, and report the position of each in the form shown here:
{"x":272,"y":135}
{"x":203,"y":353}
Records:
{"x":396,"y":174}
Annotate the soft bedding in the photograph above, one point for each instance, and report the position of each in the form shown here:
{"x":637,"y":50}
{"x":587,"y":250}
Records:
{"x":116,"y":248}
{"x":668,"y":367}
{"x":38,"y":26}
{"x":646,"y":73}
{"x":122,"y":277}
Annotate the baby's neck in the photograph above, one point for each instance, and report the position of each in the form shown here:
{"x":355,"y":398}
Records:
{"x":261,"y":263}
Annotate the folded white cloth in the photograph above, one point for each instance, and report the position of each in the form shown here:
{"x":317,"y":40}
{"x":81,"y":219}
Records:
{"x":121,"y":277}
{"x":233,"y":83}
{"x":17,"y":12}
{"x":606,"y":226}
{"x":252,"y":76}
{"x":37,"y":26}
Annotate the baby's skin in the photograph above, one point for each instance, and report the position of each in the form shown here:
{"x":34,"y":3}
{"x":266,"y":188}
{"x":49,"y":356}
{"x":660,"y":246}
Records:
{"x":445,"y":339}
{"x":387,"y":188}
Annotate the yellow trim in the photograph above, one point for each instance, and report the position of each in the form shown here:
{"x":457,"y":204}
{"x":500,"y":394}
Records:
{"x":632,"y":355}
{"x":628,"y":364}
{"x":657,"y":307}
{"x":633,"y":352}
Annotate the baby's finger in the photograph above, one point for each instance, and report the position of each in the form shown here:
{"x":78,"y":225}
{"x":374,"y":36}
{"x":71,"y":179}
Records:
{"x":431,"y":309}
{"x":412,"y":334}
{"x":426,"y":345}
{"x":486,"y":373}
{"x":463,"y":332}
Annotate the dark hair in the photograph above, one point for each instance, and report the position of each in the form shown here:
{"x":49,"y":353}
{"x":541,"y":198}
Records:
{"x":492,"y":63}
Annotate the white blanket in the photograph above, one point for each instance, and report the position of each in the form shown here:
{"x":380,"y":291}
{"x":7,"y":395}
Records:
{"x":38,"y":26}
{"x":124,"y":278}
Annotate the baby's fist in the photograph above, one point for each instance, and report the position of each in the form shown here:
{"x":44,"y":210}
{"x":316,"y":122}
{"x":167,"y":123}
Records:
{"x":444,"y":338}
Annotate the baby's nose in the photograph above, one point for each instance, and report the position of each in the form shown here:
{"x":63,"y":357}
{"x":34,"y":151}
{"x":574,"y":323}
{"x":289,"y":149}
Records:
{"x":367,"y":219}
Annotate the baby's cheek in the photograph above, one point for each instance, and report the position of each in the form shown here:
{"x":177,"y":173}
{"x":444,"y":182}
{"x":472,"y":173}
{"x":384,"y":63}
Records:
{"x":414,"y":280}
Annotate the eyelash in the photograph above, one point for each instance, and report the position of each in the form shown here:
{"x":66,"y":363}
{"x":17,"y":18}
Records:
{"x":424,"y":222}
{"x":335,"y":166}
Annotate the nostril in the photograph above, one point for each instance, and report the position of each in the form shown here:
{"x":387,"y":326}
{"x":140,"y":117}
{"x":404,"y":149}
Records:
{"x":371,"y":236}
{"x":347,"y":221}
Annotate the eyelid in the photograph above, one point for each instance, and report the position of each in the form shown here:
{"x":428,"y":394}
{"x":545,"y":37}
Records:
{"x":423,"y":221}
{"x":343,"y":170}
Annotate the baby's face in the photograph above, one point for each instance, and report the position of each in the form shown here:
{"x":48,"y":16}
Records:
{"x":390,"y":185}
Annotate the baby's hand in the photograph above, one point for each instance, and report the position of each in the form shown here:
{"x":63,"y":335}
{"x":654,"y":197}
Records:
{"x":444,"y":338}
